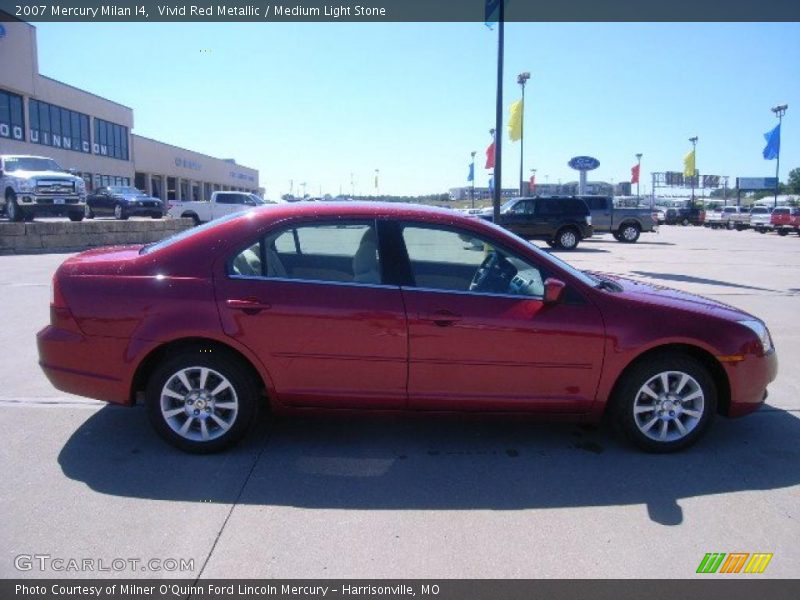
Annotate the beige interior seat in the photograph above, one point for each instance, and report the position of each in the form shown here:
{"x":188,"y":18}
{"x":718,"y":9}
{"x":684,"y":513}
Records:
{"x":365,"y":261}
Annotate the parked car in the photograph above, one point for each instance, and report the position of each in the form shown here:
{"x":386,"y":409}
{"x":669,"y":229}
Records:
{"x":377,"y":306}
{"x":785,"y":220}
{"x":219,"y":205}
{"x":690,"y":215}
{"x":37,"y":185}
{"x":625,"y":224}
{"x":713,"y":218}
{"x":122,"y":202}
{"x":735,"y":217}
{"x":562,"y":221}
{"x":760,"y":219}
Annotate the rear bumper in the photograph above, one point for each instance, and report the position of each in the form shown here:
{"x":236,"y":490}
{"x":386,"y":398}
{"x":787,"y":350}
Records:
{"x":749,"y":380}
{"x":73,"y":363}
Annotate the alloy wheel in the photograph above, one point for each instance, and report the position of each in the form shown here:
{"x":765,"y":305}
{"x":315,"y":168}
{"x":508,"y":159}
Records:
{"x":669,"y":406}
{"x":199,"y":403}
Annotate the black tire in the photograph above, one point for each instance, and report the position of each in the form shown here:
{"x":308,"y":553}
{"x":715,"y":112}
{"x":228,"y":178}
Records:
{"x":783,"y":232}
{"x":195,"y":219}
{"x":685,"y":222}
{"x":157,"y":215}
{"x":13,"y":211}
{"x":730,"y":225}
{"x":629,"y":233}
{"x":628,"y":392}
{"x":120,"y":213}
{"x":567,"y":238}
{"x":75,"y":217}
{"x":244,"y":388}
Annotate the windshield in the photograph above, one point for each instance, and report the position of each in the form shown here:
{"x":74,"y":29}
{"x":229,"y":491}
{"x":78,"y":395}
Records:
{"x":507,"y":205}
{"x":124,"y":189}
{"x":30,"y":163}
{"x":187,"y":233}
{"x":256,"y":199}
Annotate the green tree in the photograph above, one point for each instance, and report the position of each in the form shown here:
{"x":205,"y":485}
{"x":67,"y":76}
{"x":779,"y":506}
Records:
{"x":793,"y":185}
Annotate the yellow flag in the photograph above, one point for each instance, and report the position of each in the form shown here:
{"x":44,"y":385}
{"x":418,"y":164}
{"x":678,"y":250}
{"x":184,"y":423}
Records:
{"x":688,"y":165}
{"x":515,"y":121}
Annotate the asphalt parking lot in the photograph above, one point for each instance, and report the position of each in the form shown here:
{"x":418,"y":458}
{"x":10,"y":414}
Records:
{"x":407,"y":497}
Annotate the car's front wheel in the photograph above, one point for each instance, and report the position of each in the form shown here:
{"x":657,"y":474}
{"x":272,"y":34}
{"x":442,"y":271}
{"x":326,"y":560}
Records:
{"x":76,"y":216}
{"x":665,"y":403}
{"x":120,"y":212}
{"x":13,"y":211}
{"x":202,"y":401}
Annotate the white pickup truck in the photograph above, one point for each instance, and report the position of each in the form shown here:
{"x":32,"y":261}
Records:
{"x":220,"y":204}
{"x":36,"y":185}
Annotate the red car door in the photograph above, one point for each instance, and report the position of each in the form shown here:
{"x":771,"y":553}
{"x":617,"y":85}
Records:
{"x":309,"y":301}
{"x":497,"y":350}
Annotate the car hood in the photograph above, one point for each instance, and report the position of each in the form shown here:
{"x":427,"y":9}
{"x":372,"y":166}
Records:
{"x":659,"y":295}
{"x":44,"y":175}
{"x":137,"y":197}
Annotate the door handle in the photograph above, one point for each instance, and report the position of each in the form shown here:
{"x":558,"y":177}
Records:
{"x":443,"y":318}
{"x":248,"y":305}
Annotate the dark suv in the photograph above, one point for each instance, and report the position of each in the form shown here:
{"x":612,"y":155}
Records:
{"x":562,"y":221}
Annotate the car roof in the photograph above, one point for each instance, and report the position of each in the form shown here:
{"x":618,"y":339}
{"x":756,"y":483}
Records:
{"x":356,"y":209}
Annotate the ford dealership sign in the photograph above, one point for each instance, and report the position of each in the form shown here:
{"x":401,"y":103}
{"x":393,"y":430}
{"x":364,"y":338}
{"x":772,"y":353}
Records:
{"x":584,"y":163}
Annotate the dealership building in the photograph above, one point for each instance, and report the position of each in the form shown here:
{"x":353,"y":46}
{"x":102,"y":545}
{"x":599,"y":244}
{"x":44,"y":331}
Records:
{"x":93,"y":135}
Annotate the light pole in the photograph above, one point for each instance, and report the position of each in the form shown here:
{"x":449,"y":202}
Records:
{"x":522,"y":78}
{"x":638,"y":174}
{"x":533,"y":178}
{"x":498,"y":118}
{"x":694,"y":163}
{"x":377,"y":192}
{"x":779,"y":112}
{"x":472,"y":172}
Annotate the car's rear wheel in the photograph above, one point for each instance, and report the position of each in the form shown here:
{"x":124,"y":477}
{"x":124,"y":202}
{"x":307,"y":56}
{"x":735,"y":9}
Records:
{"x":195,"y":219}
{"x":201,"y":401}
{"x":782,"y":232}
{"x":75,"y":216}
{"x":629,"y":233}
{"x":665,"y":403}
{"x":567,"y":238}
{"x":120,"y":212}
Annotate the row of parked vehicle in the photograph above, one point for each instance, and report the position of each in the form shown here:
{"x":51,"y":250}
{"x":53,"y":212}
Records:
{"x":781,"y":219}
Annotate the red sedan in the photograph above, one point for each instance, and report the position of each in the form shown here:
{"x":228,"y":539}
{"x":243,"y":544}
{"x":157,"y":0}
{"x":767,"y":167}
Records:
{"x":393,"y":308}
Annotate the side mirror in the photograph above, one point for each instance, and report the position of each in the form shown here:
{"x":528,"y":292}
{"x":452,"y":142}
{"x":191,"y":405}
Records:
{"x":553,"y":290}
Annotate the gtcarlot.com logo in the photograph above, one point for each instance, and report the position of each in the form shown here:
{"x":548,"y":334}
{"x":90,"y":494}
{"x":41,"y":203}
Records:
{"x":735,"y":562}
{"x":47,"y":562}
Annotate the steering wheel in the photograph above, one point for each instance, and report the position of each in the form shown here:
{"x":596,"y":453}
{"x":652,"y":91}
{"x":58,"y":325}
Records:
{"x":489,"y":263}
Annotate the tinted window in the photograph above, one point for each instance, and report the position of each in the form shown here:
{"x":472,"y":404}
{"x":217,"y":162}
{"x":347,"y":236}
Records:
{"x":231,"y":198}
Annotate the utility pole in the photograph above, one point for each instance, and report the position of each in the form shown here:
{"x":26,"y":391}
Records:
{"x":472,"y":190}
{"x":638,"y":174}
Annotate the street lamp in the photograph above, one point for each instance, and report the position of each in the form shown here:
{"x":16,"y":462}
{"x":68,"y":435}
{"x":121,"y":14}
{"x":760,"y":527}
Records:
{"x":472,"y":190}
{"x":533,"y":182}
{"x":638,"y":174}
{"x":779,"y":112}
{"x":377,"y":193}
{"x":694,"y":155}
{"x":522,"y":78}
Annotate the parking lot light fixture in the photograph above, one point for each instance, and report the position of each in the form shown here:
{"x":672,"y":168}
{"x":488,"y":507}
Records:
{"x":639,"y":165}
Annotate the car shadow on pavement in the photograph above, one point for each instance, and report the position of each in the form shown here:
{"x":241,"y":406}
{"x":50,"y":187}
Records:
{"x":702,"y":280}
{"x":397,"y":463}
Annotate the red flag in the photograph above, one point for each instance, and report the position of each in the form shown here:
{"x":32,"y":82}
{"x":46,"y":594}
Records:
{"x":490,"y":156}
{"x":635,"y":174}
{"x":532,"y":185}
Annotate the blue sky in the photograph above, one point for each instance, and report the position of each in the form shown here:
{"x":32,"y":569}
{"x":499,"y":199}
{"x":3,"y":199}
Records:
{"x":315,"y":102}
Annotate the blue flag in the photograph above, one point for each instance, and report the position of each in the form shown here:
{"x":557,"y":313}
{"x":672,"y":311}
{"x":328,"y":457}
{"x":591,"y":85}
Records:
{"x":491,"y":12}
{"x":491,"y":184}
{"x":471,"y":176}
{"x":773,"y":147}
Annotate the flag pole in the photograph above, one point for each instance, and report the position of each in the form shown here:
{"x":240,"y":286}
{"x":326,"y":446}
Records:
{"x":521,"y":79}
{"x":472,"y":189}
{"x":779,"y":112}
{"x":498,"y":127}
